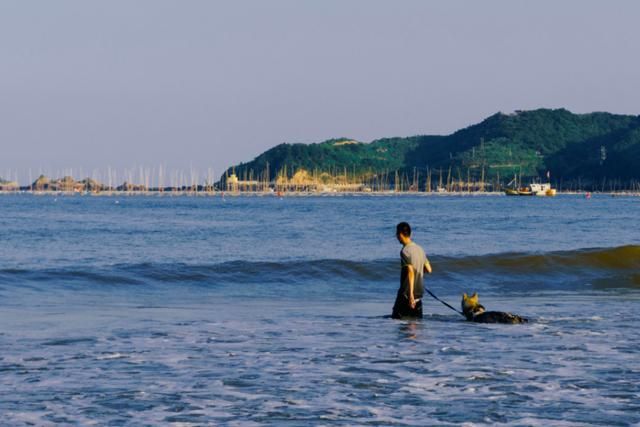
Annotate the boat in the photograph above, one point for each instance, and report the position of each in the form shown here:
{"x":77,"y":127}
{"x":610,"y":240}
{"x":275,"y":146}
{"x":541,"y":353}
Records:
{"x":523,"y":191}
{"x":543,"y":190}
{"x":532,"y":190}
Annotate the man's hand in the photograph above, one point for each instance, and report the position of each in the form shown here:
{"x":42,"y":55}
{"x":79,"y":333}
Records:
{"x":412,"y":302}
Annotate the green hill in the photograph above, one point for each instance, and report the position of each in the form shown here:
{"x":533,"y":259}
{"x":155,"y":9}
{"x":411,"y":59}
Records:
{"x":589,"y":149}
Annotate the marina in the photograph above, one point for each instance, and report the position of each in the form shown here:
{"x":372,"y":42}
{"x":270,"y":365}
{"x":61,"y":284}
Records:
{"x":302,"y":182}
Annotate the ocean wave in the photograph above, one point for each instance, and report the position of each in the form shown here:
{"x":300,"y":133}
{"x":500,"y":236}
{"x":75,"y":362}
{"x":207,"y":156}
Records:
{"x":620,"y":264}
{"x":613,"y":259}
{"x":600,"y":268}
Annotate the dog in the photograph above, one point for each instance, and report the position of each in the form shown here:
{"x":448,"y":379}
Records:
{"x":475,"y":312}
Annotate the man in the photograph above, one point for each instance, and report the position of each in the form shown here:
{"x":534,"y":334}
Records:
{"x":414,"y":264}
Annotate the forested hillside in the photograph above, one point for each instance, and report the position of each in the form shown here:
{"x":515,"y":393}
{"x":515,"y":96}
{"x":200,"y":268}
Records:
{"x":590,"y":149}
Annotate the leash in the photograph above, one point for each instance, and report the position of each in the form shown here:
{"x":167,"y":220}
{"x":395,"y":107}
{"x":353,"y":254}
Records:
{"x":438,"y":299}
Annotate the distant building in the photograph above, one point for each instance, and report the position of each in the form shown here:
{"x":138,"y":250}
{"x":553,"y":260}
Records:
{"x":232,"y":182}
{"x":8,"y":185}
{"x":126,"y":186}
{"x":41,"y":184}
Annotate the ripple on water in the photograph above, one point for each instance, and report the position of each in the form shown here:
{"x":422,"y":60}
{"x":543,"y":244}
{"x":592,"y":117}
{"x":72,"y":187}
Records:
{"x":295,"y":370}
{"x":69,"y":341}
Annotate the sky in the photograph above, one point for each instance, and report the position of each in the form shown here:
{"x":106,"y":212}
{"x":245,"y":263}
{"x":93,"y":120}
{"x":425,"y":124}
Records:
{"x":202,"y":85}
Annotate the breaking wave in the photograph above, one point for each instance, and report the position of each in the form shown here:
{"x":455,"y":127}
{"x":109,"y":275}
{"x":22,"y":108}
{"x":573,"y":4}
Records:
{"x":621,"y":263}
{"x":619,"y":258}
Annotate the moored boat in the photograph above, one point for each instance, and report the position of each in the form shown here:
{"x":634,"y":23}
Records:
{"x":532,"y":190}
{"x":524,"y":191}
{"x":543,"y":190}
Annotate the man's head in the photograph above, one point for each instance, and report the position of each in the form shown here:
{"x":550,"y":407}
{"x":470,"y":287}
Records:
{"x":470,"y":306}
{"x":403,"y":232}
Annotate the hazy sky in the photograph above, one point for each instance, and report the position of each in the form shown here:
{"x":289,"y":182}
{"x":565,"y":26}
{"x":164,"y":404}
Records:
{"x":88,"y":84}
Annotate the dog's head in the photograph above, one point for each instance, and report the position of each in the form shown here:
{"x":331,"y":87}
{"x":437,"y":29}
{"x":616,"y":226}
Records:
{"x":470,"y":305}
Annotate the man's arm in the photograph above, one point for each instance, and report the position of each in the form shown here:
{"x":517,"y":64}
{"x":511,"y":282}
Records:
{"x":411,"y":276}
{"x":427,"y":266}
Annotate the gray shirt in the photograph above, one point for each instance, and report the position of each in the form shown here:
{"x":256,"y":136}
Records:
{"x":413,"y":255}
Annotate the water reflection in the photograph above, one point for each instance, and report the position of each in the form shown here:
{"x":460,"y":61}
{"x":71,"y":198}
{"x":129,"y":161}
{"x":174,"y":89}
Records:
{"x":410,"y":330}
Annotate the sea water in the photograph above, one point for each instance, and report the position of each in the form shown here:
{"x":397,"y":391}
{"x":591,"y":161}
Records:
{"x":274,"y":311}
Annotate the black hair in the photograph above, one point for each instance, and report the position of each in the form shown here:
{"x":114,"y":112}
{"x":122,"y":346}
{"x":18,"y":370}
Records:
{"x":403,"y":228}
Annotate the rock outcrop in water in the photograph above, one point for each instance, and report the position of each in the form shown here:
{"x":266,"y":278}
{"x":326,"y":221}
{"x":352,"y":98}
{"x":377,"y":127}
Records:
{"x":65,"y":184}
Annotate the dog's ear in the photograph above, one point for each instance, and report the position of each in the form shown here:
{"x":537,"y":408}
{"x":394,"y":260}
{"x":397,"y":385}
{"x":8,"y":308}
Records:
{"x":475,"y":295}
{"x":464,"y":296}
